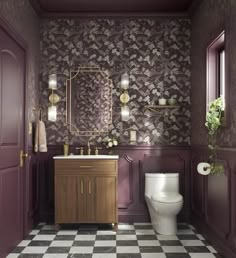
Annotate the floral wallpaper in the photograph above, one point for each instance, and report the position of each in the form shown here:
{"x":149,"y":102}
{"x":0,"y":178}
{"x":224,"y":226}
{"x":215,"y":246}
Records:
{"x":155,"y":52}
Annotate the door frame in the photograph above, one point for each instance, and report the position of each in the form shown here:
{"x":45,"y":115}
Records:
{"x":25,"y":170}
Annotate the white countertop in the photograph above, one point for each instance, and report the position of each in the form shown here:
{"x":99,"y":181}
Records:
{"x":87,"y":157}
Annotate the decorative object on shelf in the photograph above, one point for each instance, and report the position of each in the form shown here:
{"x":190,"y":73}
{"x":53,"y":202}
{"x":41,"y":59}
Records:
{"x":162,"y":102}
{"x":132,"y":136}
{"x":53,"y":98}
{"x":213,"y":123}
{"x":124,"y":97}
{"x":171,"y":101}
{"x":111,"y":142}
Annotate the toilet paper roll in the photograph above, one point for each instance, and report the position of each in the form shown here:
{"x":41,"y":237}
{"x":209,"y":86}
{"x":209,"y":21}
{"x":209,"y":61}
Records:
{"x":204,"y":168}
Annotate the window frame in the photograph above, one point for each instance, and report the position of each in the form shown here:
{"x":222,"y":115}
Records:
{"x":212,"y":71}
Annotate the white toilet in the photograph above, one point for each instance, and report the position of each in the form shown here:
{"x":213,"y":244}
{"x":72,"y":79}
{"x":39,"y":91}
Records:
{"x":163,"y":200}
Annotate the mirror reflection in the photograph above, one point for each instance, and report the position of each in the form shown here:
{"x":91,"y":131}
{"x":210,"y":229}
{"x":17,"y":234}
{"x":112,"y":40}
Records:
{"x":89,"y":101}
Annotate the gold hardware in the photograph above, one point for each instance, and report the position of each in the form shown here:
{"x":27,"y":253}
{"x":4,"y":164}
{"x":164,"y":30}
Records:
{"x":81,"y":150}
{"x":124,"y":97}
{"x":89,"y":149}
{"x":89,"y":186}
{"x":54,"y":98}
{"x":81,"y":186}
{"x":96,"y":150}
{"x":66,"y":149}
{"x":85,"y":166}
{"x":22,"y":156}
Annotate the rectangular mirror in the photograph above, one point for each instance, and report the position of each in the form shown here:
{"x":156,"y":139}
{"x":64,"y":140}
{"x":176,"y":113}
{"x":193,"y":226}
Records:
{"x":89,"y":101}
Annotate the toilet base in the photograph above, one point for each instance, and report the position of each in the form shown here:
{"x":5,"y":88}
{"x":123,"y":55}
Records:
{"x":165,"y":225}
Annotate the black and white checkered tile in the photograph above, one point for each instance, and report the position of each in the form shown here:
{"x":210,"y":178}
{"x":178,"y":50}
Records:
{"x":138,"y":240}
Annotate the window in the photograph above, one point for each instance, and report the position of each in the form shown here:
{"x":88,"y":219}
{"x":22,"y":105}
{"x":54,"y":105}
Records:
{"x":216,"y":79}
{"x":221,"y":74}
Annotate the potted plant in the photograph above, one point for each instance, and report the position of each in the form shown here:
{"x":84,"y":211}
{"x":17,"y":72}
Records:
{"x":213,"y":123}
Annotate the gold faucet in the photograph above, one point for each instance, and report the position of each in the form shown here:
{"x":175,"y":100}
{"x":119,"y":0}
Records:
{"x":89,"y":149}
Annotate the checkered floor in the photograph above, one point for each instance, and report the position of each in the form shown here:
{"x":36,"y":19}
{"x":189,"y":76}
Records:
{"x":138,"y":240}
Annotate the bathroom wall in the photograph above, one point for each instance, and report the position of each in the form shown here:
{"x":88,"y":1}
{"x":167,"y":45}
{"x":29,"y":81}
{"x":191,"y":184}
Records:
{"x":213,"y":198}
{"x":154,"y":51}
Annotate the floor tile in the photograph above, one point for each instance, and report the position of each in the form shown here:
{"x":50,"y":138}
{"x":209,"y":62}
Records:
{"x":58,"y":249}
{"x":35,"y":249}
{"x":39,"y":243}
{"x":55,"y":255}
{"x":192,"y":242}
{"x":81,"y":249}
{"x":67,"y":232}
{"x":105,"y":243}
{"x":104,"y":249}
{"x":84,"y":243}
{"x":148,"y":243}
{"x":80,"y":256}
{"x":102,"y":255}
{"x":127,"y":249}
{"x":136,"y":240}
{"x":125,"y":227}
{"x":44,"y":237}
{"x":24,"y":243}
{"x":201,"y":255}
{"x":153,"y":255}
{"x":174,"y":249}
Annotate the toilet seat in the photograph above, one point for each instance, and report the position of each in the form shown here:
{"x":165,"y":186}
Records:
{"x":167,"y":197}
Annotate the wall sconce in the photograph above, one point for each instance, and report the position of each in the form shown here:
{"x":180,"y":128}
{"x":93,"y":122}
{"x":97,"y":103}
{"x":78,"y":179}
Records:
{"x":53,"y":98}
{"x":124,"y":97}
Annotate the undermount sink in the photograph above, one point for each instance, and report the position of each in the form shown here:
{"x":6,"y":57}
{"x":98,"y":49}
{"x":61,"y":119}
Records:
{"x":87,"y":157}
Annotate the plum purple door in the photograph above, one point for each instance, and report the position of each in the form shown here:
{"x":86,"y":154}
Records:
{"x":12,"y":80}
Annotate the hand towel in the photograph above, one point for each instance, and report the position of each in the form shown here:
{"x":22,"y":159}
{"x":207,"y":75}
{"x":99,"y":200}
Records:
{"x":40,"y":137}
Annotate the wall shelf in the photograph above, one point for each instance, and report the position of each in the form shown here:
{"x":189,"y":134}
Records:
{"x":157,"y":107}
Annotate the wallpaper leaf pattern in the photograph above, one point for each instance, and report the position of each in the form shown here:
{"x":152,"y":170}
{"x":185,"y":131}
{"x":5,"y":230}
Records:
{"x":155,"y":52}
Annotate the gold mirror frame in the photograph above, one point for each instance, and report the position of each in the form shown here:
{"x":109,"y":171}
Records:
{"x":73,"y":127}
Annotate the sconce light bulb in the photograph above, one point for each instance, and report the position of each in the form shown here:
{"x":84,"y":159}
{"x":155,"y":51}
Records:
{"x":125,"y":81}
{"x":125,"y":113}
{"x":52,"y":81}
{"x":52,"y":113}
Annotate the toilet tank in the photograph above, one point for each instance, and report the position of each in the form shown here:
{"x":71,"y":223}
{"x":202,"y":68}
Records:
{"x":161,"y":182}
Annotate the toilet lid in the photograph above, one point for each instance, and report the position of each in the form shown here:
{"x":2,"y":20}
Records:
{"x":167,"y":197}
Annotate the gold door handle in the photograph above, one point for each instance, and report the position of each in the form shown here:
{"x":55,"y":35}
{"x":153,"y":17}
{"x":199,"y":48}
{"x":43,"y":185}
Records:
{"x":81,"y":186}
{"x":85,"y":166}
{"x":89,"y":187}
{"x":22,"y":156}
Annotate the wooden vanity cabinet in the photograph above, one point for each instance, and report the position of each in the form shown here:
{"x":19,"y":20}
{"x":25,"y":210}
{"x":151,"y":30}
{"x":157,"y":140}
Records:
{"x":85,"y":191}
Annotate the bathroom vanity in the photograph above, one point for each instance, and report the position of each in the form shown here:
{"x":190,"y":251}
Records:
{"x":86,"y":189}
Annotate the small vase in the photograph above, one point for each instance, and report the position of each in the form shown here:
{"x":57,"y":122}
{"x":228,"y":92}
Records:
{"x":162,"y":102}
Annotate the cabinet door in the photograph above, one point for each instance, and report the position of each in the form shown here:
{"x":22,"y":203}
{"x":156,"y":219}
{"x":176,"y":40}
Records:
{"x":105,"y":203}
{"x":91,"y":195}
{"x":81,"y":202}
{"x":65,"y":199}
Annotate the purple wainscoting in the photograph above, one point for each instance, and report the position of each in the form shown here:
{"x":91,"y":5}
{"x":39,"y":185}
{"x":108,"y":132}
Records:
{"x":133,"y":163}
{"x":213,"y":201}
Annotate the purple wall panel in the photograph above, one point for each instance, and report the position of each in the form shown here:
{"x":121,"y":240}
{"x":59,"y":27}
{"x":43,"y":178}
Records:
{"x":132,"y":167}
{"x":213,"y":200}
